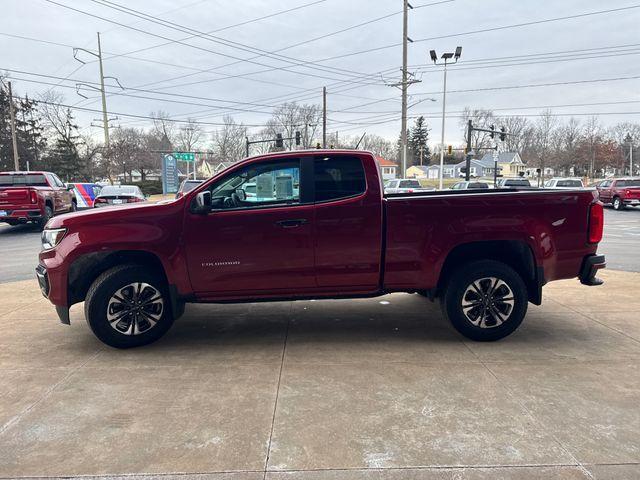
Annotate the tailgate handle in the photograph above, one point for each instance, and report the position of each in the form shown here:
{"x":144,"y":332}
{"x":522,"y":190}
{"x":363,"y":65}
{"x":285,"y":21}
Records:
{"x":291,"y":223}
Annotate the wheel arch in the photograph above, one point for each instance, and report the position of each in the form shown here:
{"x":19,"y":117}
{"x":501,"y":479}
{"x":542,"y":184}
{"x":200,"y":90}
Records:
{"x":515,"y":253}
{"x":86,"y":268}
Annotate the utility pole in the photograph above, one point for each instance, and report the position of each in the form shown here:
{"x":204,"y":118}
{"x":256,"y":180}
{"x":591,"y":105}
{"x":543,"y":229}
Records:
{"x":421,"y":155}
{"x":12,"y":114}
{"x":403,"y":127}
{"x":324,"y":117}
{"x":105,"y":120}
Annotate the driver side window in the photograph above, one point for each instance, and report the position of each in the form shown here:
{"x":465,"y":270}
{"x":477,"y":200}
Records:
{"x":259,"y":185}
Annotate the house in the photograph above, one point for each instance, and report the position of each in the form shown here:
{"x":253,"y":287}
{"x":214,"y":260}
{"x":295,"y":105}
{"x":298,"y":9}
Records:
{"x":208,"y":169}
{"x":477,"y":168}
{"x":387,"y":167}
{"x":433,"y":171}
{"x":135,"y":176}
{"x":509,"y":163}
{"x":417,"y":171}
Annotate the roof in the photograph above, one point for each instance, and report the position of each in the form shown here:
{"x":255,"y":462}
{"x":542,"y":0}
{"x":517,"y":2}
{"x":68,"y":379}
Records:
{"x":503,"y":157}
{"x":383,"y":162}
{"x":424,"y":168}
{"x":446,"y":165}
{"x":478,"y":162}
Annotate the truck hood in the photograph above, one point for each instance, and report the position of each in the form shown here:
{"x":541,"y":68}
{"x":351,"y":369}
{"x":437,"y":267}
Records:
{"x":116,"y":214}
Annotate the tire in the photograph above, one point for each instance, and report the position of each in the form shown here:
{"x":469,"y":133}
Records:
{"x":617,"y":204}
{"x":497,"y":323}
{"x":74,"y":206}
{"x":48,"y":213}
{"x":127,"y":330}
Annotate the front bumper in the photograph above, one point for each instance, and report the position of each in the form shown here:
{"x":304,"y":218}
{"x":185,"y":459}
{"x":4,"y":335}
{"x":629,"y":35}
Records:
{"x":632,"y":201}
{"x":590,"y":266}
{"x":45,"y":288}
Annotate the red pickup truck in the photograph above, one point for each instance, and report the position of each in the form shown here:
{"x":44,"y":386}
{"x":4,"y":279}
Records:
{"x":316,"y":224}
{"x":33,"y":197}
{"x":620,"y":192}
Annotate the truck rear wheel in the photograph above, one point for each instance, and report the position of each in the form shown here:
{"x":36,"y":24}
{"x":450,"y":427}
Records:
{"x":46,"y":215}
{"x":128,"y":306}
{"x":485,"y":300}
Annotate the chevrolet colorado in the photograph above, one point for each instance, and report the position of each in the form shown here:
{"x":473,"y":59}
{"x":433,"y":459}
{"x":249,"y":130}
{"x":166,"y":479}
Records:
{"x":33,"y":197}
{"x":317,"y":225}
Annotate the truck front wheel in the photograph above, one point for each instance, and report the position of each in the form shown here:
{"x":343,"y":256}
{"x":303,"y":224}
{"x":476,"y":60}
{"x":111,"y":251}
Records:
{"x":128,"y":306}
{"x":485,"y":300}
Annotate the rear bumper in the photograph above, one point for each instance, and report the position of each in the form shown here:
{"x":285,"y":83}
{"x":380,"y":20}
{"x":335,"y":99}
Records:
{"x":590,"y":266}
{"x":20,"y":215}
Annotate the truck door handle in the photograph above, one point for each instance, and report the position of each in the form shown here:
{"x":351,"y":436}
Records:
{"x":291,"y":223}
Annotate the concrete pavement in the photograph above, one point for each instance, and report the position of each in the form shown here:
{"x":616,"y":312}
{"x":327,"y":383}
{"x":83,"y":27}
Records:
{"x":348,"y":389}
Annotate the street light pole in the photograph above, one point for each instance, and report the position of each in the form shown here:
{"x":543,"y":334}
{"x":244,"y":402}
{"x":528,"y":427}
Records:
{"x":403,"y":126}
{"x":446,"y":57}
{"x":629,"y":141}
{"x":444,"y":101}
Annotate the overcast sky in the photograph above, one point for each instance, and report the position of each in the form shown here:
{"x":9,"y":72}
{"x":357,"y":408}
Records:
{"x":357,"y":91}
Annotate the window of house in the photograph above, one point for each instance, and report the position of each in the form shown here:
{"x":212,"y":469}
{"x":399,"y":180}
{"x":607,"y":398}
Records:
{"x":338,"y":177}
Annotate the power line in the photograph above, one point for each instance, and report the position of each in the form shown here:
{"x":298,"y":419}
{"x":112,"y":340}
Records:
{"x":484,"y":30}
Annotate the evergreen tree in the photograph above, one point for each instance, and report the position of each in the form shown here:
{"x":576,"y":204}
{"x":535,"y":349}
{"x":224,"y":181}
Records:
{"x":28,"y":133}
{"x":418,"y":137}
{"x":63,"y":157}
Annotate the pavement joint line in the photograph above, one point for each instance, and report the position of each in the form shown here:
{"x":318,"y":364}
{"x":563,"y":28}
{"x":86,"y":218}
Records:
{"x":275,"y":403}
{"x":45,"y":395}
{"x":531,"y":415}
{"x":343,"y":469}
{"x":589,"y":317}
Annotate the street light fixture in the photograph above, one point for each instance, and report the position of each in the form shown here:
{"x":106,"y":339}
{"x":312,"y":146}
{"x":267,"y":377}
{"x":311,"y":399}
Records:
{"x":446,"y":57}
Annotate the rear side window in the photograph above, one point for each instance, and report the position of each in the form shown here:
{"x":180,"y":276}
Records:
{"x":569,"y":183}
{"x":338,"y":177}
{"x":34,"y":180}
{"x":628,"y":183}
{"x":478,"y":185}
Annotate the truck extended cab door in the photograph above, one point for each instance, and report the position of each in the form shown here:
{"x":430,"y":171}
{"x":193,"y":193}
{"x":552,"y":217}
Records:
{"x":348,"y":234}
{"x":260,"y":245}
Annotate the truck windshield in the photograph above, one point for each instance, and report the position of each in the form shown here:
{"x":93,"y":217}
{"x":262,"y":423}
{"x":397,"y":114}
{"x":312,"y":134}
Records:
{"x":409,"y":184}
{"x":29,"y":180}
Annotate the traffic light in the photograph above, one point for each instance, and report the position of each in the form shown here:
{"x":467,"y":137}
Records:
{"x":279,"y":142}
{"x":503,"y":134}
{"x":297,"y":137}
{"x":493,"y":131}
{"x":449,"y":149}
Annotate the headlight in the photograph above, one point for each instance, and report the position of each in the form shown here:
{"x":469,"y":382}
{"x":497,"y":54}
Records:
{"x":52,"y":237}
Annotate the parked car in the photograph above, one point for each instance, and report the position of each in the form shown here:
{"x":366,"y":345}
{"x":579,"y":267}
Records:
{"x":620,"y":192}
{"x":469,"y":185}
{"x":33,"y":197}
{"x":118,"y":195}
{"x":187,"y":186}
{"x":484,"y":258}
{"x":404,"y":185}
{"x":564,"y":183}
{"x":512,"y":182}
{"x":85,"y":194}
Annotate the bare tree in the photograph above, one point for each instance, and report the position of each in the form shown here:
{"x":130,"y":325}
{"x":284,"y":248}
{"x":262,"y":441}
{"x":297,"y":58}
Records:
{"x":480,"y":118}
{"x":164,"y":128}
{"x":189,"y":135}
{"x":229,"y":141}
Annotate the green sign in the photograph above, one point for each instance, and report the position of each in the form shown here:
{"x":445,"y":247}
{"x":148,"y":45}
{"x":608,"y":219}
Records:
{"x":184,"y":156}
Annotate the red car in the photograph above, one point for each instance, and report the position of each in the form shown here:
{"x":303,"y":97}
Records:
{"x":619,"y":192}
{"x":318,"y":226}
{"x":33,"y":197}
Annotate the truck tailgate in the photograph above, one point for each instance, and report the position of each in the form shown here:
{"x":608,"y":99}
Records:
{"x":14,"y":196}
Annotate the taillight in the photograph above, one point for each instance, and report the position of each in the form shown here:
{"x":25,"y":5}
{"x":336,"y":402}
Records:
{"x":627,"y":192}
{"x":134,"y":200}
{"x":34,"y":196}
{"x":409,"y":190}
{"x":596,"y":222}
{"x":100,"y":200}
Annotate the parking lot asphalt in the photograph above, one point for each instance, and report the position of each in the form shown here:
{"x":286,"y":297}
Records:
{"x":19,"y":246}
{"x":341,"y":389}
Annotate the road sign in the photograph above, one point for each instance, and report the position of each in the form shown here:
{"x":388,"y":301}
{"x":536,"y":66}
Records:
{"x":170,"y":181}
{"x":184,"y":156}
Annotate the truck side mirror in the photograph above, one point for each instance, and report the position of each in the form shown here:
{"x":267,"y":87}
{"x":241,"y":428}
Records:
{"x":203,"y":202}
